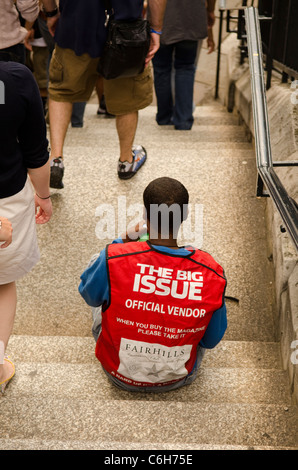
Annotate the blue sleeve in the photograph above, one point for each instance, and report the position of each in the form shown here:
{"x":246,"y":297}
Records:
{"x":216,"y":328}
{"x":94,"y":285}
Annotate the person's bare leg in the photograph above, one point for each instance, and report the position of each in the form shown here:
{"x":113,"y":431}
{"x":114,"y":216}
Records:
{"x":60,"y":115}
{"x":126,"y":126}
{"x":8,"y":302}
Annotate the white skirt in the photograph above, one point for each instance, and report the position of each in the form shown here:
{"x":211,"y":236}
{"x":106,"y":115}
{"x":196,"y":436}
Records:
{"x":22,"y":254}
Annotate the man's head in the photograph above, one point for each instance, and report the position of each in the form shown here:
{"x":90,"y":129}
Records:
{"x":166,"y":205}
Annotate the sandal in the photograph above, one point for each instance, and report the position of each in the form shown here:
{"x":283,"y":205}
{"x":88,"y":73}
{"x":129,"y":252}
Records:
{"x":5,"y":382}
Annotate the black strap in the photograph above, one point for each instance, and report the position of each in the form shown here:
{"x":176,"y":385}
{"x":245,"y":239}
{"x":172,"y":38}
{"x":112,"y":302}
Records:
{"x":108,"y":11}
{"x":108,"y":5}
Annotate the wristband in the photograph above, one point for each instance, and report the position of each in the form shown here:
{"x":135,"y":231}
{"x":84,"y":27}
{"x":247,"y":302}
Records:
{"x":49,"y":14}
{"x":43,"y":197}
{"x":156,"y":32}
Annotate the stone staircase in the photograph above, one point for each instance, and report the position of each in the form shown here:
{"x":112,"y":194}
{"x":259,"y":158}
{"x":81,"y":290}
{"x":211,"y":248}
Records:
{"x":59,"y":397}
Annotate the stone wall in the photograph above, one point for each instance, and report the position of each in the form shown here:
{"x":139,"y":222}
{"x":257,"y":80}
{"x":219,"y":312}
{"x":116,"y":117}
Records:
{"x":282,"y":103}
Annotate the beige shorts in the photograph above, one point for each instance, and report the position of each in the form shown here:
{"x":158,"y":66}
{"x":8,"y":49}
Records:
{"x":72,"y":78}
{"x":23,"y":253}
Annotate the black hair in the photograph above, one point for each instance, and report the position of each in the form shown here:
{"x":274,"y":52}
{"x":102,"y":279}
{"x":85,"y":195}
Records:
{"x":166,"y":202}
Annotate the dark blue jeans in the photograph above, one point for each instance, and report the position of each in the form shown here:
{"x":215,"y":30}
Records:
{"x":175,"y":107}
{"x":77,"y":116}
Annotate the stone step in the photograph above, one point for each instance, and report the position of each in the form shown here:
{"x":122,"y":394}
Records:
{"x":214,"y":128}
{"x":206,"y":111}
{"x":143,"y":422}
{"x":135,"y":449}
{"x":220,"y":176}
{"x":212,"y":133}
{"x":215,"y":119}
{"x":53,"y":313}
{"x":79,"y":350}
{"x":201,"y":133}
{"x":162,"y":143}
{"x":233,"y":372}
{"x":213,"y":385}
{"x":60,"y":398}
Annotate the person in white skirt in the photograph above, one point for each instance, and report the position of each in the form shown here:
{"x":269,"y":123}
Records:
{"x":24,"y":169}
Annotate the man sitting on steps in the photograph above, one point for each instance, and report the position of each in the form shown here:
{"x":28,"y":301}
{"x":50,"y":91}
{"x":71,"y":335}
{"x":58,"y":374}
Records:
{"x":162,"y":304}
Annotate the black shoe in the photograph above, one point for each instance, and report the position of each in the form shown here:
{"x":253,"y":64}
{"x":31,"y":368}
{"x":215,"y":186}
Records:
{"x":104,"y":112}
{"x":57,"y":172}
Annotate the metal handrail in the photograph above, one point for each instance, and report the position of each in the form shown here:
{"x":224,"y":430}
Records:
{"x":285,"y":205}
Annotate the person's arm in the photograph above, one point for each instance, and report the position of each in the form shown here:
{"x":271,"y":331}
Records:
{"x":30,"y":35}
{"x":210,"y":5}
{"x":32,"y":139}
{"x":5,"y":232}
{"x":40,"y":178}
{"x":156,"y":11}
{"x":94,"y":285}
{"x":32,"y":133}
{"x":216,"y":329}
{"x":51,"y":7}
{"x":29,"y":9}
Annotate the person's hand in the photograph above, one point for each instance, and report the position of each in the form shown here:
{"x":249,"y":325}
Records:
{"x":135,"y":232}
{"x":43,"y":210}
{"x":210,"y":23}
{"x":52,"y":23}
{"x":28,"y":39}
{"x":154,"y":46}
{"x":5,"y":232}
